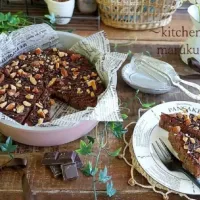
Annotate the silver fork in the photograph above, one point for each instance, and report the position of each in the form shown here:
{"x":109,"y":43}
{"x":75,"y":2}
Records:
{"x":171,"y":162}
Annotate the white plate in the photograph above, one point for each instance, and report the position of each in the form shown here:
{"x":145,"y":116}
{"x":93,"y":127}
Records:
{"x":146,"y":132}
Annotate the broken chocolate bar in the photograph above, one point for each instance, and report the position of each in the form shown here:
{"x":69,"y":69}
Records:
{"x":78,"y":162}
{"x":69,"y":171}
{"x":56,"y":170}
{"x":50,"y":158}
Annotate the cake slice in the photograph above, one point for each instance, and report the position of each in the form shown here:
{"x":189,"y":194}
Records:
{"x":184,"y":136}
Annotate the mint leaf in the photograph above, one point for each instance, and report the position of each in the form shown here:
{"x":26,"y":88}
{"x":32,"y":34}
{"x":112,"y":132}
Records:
{"x":8,"y":146}
{"x":103,"y":177}
{"x":91,"y":139}
{"x":88,"y":170}
{"x":110,"y":190}
{"x":148,"y":105}
{"x":85,"y":149}
{"x":124,"y":116}
{"x":115,"y":153}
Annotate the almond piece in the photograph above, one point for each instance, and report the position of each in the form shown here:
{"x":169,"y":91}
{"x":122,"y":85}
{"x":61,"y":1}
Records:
{"x":35,"y":90}
{"x":185,"y":139}
{"x":2,"y":78}
{"x":88,"y":91}
{"x":41,"y":62}
{"x":2,"y":105}
{"x":10,"y":106}
{"x":176,"y":129}
{"x":195,"y":118}
{"x":55,"y":49}
{"x":187,"y":122}
{"x":6,"y":86}
{"x":92,"y":94}
{"x":29,"y":96}
{"x":11,"y":92}
{"x":197,"y":150}
{"x":35,"y":63}
{"x":61,"y":54}
{"x":28,"y":88}
{"x":79,"y":91}
{"x":64,"y":72}
{"x":57,"y":65}
{"x":17,"y":94}
{"x":85,"y":78}
{"x":52,"y":102}
{"x":76,"y":73}
{"x":39,"y":105}
{"x":13,"y":87}
{"x":20,"y":108}
{"x":93,"y":84}
{"x":2,"y":91}
{"x":192,"y":140}
{"x":20,"y":71}
{"x":3,"y":98}
{"x":64,"y":63}
{"x":93,"y":74}
{"x":40,"y":121}
{"x":14,"y":63}
{"x":32,"y":80}
{"x":19,"y":85}
{"x":13,"y":75}
{"x":26,"y":103}
{"x":22,"y":57}
{"x":38,"y":76}
{"x":38,"y":51}
{"x":45,"y":111}
{"x":51,"y":82}
{"x":185,"y":147}
{"x":41,"y":113}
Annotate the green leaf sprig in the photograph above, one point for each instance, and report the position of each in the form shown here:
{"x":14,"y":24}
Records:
{"x":8,"y":147}
{"x":10,"y":22}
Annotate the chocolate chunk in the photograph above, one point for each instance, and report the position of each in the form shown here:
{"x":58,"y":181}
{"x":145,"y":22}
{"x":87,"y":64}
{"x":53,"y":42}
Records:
{"x":66,"y":157}
{"x":69,"y":171}
{"x":56,"y":170}
{"x":78,"y":162}
{"x":50,"y":158}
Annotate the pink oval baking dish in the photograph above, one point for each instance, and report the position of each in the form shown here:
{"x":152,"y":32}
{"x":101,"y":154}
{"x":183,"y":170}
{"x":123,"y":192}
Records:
{"x":49,"y":136}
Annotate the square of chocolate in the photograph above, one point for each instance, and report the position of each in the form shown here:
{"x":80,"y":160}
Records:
{"x":50,"y":158}
{"x":66,"y":157}
{"x":78,"y":162}
{"x":56,"y":170}
{"x":69,"y":171}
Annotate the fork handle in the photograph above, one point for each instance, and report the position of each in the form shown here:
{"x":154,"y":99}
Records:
{"x":191,"y":177}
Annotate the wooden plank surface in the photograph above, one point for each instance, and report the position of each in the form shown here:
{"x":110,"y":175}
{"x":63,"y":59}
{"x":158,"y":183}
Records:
{"x":40,"y":185}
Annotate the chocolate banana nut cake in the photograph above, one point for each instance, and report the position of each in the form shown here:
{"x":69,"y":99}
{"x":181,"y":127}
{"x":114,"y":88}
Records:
{"x":30,"y":82}
{"x":184,"y":136}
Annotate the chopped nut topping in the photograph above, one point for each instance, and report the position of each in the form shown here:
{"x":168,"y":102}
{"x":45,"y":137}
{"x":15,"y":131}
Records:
{"x":14,"y":63}
{"x":13,"y":87}
{"x":185,"y":139}
{"x":192,"y":140}
{"x":176,"y":129}
{"x":74,"y":69}
{"x":41,"y":113}
{"x":13,"y":75}
{"x":64,"y":72}
{"x":196,"y":128}
{"x":3,"y":98}
{"x":55,"y":49}
{"x":197,"y":150}
{"x":185,"y":147}
{"x":88,"y":91}
{"x":38,"y":51}
{"x":51,"y":67}
{"x":94,"y":74}
{"x":61,"y":54}
{"x":40,"y":121}
{"x":180,"y":115}
{"x":64,"y":63}
{"x":32,"y":80}
{"x":17,"y":94}
{"x":29,"y":96}
{"x":39,"y":105}
{"x":57,"y":65}
{"x":51,"y":82}
{"x":188,"y":122}
{"x":2,"y":105}
{"x":76,"y":73}
{"x":70,"y":87}
{"x":20,"y":71}
{"x":2,"y":78}
{"x":26,"y":103}
{"x":79,"y":91}
{"x":38,"y":76}
{"x":92,"y":94}
{"x":18,"y":84}
{"x":52,"y":102}
{"x":22,"y":57}
{"x":93,"y":84}
{"x":2,"y":91}
{"x":10,"y":106}
{"x":28,"y":88}
{"x":85,"y":78}
{"x":35,"y":90}
{"x":195,"y":118}
{"x":11,"y":92}
{"x":35,"y":63}
{"x":45,"y":111}
{"x":7,"y":72}
{"x":20,"y":108}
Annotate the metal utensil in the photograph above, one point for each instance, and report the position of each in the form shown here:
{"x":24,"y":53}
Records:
{"x":160,"y":69}
{"x":171,"y":162}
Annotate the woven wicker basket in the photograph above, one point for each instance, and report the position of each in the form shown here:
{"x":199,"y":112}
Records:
{"x":137,"y":14}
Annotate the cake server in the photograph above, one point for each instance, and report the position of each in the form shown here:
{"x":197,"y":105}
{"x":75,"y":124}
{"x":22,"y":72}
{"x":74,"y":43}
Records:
{"x":159,"y":70}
